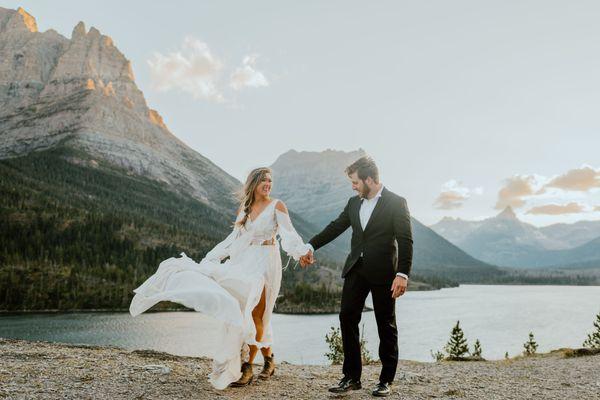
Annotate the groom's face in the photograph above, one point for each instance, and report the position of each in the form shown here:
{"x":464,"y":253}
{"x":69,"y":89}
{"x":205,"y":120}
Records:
{"x":359,"y":185}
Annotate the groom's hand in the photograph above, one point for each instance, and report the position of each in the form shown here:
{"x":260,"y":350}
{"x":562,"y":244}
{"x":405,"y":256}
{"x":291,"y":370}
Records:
{"x":399,"y":286}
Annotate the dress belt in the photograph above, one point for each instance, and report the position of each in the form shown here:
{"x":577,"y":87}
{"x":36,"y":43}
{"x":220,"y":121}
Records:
{"x":268,"y":242}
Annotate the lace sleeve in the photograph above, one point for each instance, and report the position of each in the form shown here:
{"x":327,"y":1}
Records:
{"x":291,"y":242}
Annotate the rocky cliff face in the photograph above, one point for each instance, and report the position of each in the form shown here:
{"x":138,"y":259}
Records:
{"x":81,"y":92}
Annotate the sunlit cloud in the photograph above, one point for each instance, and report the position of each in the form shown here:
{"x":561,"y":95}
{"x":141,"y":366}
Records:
{"x":515,"y":189}
{"x":193,"y":69}
{"x":247,"y":75}
{"x":579,"y":179}
{"x":558,"y":209}
{"x":453,"y":195}
{"x":197,"y":70}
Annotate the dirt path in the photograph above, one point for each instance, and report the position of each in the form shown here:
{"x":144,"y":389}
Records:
{"x":41,"y":370}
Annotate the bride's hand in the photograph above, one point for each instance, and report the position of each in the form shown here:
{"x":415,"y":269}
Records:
{"x":307,"y":259}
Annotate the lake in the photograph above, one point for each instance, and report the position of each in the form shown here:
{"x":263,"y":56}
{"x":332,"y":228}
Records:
{"x":501,"y":317}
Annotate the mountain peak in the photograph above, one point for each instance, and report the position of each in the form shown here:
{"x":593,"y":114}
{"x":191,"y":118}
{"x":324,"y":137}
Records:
{"x":28,"y":20}
{"x":507,"y":213}
{"x":78,"y":31}
{"x":19,"y":20}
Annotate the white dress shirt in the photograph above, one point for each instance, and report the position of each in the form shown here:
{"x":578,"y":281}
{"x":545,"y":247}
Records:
{"x":366,"y":209}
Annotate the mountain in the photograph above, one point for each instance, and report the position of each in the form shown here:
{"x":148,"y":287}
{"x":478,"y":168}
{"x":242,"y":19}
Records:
{"x":573,"y":235}
{"x":505,"y":240}
{"x":314,"y":185}
{"x":95,"y":190}
{"x":455,"y":230}
{"x":319,"y":177}
{"x":80,"y":93}
{"x":586,"y":256}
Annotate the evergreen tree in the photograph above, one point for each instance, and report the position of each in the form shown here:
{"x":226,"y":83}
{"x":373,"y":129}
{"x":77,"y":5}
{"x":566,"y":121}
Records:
{"x":593,"y":339}
{"x":457,"y":345}
{"x":437,"y":356}
{"x":477,"y":349}
{"x":530,"y":345}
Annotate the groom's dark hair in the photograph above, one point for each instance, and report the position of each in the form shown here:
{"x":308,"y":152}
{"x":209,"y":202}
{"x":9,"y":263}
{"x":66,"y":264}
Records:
{"x":364,"y":167}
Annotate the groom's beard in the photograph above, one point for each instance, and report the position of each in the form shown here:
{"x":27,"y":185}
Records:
{"x":364,"y":193}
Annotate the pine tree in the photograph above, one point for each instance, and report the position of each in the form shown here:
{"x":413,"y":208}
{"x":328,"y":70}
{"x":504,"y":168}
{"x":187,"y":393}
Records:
{"x":457,"y":345}
{"x":530,"y":345}
{"x":477,"y":349}
{"x":593,"y":339}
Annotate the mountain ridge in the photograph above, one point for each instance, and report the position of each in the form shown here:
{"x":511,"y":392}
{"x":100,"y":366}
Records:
{"x":81,"y":92}
{"x":507,"y":241}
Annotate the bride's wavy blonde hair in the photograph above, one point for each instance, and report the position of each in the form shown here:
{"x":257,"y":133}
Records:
{"x":246,"y":195}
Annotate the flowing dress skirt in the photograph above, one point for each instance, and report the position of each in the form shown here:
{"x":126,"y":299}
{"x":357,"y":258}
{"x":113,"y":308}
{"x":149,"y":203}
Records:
{"x":227,"y":292}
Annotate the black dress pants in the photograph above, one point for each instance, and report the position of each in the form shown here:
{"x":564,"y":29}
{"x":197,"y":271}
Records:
{"x":355,"y":291}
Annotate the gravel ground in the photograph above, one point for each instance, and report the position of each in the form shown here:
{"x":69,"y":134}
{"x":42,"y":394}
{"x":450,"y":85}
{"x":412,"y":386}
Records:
{"x":42,"y":370}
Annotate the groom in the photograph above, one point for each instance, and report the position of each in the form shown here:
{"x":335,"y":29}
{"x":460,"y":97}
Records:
{"x":379,"y":262}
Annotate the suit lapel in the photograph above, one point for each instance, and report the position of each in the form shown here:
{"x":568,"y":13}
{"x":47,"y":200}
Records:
{"x":378,"y":207}
{"x":356,"y":214}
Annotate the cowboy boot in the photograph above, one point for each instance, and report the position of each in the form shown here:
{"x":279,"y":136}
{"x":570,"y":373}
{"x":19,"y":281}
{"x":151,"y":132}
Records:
{"x":247,"y":376}
{"x":268,"y":368}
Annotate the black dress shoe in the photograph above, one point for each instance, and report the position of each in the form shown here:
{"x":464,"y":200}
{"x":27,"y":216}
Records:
{"x":346,"y":385}
{"x":382,"y":389}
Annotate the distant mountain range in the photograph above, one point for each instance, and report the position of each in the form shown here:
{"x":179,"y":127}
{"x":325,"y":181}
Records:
{"x":507,"y":241}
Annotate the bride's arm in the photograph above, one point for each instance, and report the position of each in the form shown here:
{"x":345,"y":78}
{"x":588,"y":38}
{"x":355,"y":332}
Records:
{"x":291,"y":242}
{"x":221,"y":250}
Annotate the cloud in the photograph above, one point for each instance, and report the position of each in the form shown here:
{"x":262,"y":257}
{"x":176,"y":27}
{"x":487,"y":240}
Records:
{"x":196,"y":70}
{"x":247,"y":75}
{"x":514,"y":190}
{"x":557,"y":209}
{"x":597,"y":208}
{"x":453,"y":195}
{"x":579,"y":179}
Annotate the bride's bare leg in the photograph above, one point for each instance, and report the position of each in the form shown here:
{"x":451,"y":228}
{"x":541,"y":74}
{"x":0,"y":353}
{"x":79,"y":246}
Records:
{"x":257,"y":316}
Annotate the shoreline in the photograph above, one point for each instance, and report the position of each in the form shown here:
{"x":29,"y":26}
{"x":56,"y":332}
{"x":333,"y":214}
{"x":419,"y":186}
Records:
{"x":40,"y":370}
{"x":287,"y":309}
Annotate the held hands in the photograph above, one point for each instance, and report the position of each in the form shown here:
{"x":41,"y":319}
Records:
{"x":307,"y":259}
{"x":398,"y":286}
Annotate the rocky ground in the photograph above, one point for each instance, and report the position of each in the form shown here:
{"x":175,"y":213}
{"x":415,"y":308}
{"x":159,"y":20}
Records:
{"x":41,"y":370}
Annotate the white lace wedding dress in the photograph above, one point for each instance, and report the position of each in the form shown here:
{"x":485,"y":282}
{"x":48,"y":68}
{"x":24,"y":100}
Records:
{"x":229,"y":291}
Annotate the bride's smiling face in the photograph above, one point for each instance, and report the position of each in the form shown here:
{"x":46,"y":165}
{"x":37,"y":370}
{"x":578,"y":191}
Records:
{"x":263,"y":189}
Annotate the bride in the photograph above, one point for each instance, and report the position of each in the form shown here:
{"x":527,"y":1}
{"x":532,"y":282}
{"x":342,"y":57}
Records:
{"x":240,"y":292}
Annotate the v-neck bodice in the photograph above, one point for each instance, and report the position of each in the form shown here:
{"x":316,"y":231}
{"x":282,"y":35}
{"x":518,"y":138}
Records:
{"x":261,"y":212}
{"x":264,"y":226}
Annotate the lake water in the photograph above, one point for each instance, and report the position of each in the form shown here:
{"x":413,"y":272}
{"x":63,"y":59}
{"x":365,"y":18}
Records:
{"x":501,"y":317}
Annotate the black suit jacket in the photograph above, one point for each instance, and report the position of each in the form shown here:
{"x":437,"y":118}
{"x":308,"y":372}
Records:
{"x":386,"y":242}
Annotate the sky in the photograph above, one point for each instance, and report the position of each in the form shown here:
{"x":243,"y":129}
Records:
{"x":466,"y":106}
